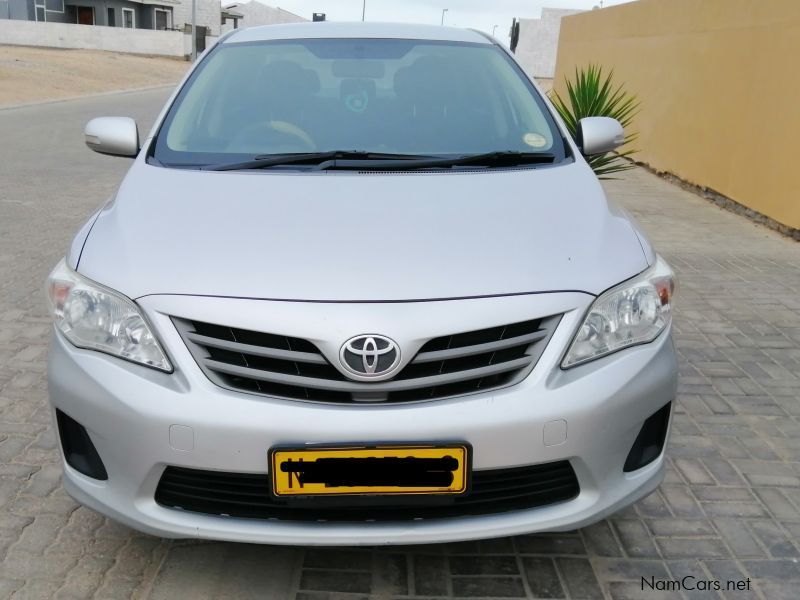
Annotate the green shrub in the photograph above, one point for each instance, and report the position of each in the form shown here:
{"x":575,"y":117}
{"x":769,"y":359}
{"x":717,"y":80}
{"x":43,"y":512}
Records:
{"x":591,"y":94}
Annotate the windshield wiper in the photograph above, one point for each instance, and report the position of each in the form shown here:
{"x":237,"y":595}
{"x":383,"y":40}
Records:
{"x":357,"y":159}
{"x":317,"y":159}
{"x":500,"y":158}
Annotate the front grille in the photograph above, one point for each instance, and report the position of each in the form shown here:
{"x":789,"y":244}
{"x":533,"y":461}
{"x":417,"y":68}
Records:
{"x":289,"y":367}
{"x":248,"y":496}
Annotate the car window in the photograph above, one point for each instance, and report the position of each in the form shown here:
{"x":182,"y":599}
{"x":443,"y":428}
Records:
{"x":374,"y":95}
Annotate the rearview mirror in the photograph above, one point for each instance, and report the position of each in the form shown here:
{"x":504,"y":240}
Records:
{"x":118,"y":136}
{"x":597,"y":135}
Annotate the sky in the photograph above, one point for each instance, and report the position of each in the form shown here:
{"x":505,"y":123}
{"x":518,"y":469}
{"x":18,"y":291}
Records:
{"x":478,"y":14}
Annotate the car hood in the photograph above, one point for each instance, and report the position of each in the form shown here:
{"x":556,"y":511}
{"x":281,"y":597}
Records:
{"x":346,"y":236}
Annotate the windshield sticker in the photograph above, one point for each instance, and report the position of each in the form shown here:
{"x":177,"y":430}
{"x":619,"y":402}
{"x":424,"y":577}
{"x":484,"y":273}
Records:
{"x":357,"y":102}
{"x":535,"y":140}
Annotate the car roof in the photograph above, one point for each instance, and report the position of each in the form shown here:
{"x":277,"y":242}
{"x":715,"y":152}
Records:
{"x":328,"y":29}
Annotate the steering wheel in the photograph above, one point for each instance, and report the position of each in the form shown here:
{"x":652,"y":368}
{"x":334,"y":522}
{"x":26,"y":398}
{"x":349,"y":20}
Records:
{"x":253,"y":138}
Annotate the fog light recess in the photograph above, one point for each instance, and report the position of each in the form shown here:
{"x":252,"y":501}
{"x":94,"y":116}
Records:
{"x":79,"y":451}
{"x":650,"y":441}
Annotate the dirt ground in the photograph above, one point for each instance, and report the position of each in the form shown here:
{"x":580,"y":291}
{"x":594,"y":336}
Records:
{"x":38,"y":74}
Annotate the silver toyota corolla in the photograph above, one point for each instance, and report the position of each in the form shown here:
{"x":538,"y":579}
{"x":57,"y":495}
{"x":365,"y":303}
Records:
{"x":359,"y":286}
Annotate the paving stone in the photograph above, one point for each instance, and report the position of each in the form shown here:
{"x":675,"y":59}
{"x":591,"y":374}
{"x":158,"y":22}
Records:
{"x":8,"y":586}
{"x":733,"y":509}
{"x":723,"y":494}
{"x":488,"y":587}
{"x":793,"y":529}
{"x":615,"y":569}
{"x":329,"y":596}
{"x":337,"y":581}
{"x":389,"y":574}
{"x":18,"y":564}
{"x":44,"y":481}
{"x":335,"y":558}
{"x":542,"y":577}
{"x":491,"y":546}
{"x":692,"y":548}
{"x":654,"y":505}
{"x":722,"y":471}
{"x":579,"y":577}
{"x":483,"y":565}
{"x":735,"y":583}
{"x":681,"y":502}
{"x":738,"y":537}
{"x":550,"y":544}
{"x":694,"y":471}
{"x":600,"y":540}
{"x":774,"y":538}
{"x":717,"y":405}
{"x":35,"y":589}
{"x":773,"y":570}
{"x":778,"y":591}
{"x":37,"y":536}
{"x":757,"y":480}
{"x":86,"y":576}
{"x":633,"y":591}
{"x":691,"y":577}
{"x":758,"y":448}
{"x":680,"y":527}
{"x":636,"y":540}
{"x":431,"y":575}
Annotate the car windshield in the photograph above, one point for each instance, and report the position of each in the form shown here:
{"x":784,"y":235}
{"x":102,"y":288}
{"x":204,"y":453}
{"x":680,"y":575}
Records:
{"x":391,"y":96}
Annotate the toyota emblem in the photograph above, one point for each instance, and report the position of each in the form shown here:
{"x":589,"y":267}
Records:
{"x":370,"y":355}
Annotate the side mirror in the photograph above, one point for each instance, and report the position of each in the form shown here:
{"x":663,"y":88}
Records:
{"x":118,"y":136}
{"x":597,"y":135}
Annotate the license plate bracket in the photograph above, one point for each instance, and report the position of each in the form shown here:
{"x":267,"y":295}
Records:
{"x":403,"y":469}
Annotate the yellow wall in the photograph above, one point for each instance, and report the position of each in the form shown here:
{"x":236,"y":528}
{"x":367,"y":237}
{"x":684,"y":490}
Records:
{"x":719,"y":85}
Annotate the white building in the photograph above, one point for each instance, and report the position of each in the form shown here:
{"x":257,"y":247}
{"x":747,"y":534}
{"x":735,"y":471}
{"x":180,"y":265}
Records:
{"x":256,"y":13}
{"x":538,"y":42}
{"x":208,"y":15}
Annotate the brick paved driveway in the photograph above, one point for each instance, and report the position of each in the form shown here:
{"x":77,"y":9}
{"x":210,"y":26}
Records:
{"x":729,"y":509}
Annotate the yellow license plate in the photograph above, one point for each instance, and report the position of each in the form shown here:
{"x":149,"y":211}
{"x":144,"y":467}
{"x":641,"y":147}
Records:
{"x":370,"y":470}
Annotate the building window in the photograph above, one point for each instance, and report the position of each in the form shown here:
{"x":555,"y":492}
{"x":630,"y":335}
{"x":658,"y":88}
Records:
{"x":85,"y":15}
{"x":128,"y":19}
{"x":41,"y":16}
{"x":112,"y":18}
{"x":161,"y":19}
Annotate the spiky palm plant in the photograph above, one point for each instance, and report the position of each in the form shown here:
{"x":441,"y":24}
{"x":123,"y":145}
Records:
{"x":593,"y":94}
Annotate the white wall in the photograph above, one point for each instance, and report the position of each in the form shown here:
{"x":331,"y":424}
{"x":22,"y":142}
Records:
{"x":208,"y":15}
{"x":256,"y":13}
{"x":116,"y":39}
{"x":538,"y":42}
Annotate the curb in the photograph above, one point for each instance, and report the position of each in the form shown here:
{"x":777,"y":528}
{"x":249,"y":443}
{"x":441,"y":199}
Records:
{"x":95,"y":95}
{"x":725,"y":203}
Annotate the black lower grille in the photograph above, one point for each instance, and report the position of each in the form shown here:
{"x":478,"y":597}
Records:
{"x":248,"y":496}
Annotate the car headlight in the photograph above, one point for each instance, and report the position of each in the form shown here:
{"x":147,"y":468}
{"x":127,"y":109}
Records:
{"x":634,"y":312}
{"x":94,"y":317}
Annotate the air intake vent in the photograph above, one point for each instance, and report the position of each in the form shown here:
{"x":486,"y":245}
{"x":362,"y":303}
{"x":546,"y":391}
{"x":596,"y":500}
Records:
{"x":289,"y":367}
{"x":248,"y":495}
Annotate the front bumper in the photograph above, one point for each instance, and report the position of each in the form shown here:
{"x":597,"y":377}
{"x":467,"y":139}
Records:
{"x":130,"y":412}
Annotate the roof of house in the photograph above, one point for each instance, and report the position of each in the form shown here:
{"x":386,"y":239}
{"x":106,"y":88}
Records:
{"x":157,"y":2}
{"x":329,"y":29}
{"x":244,"y":2}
